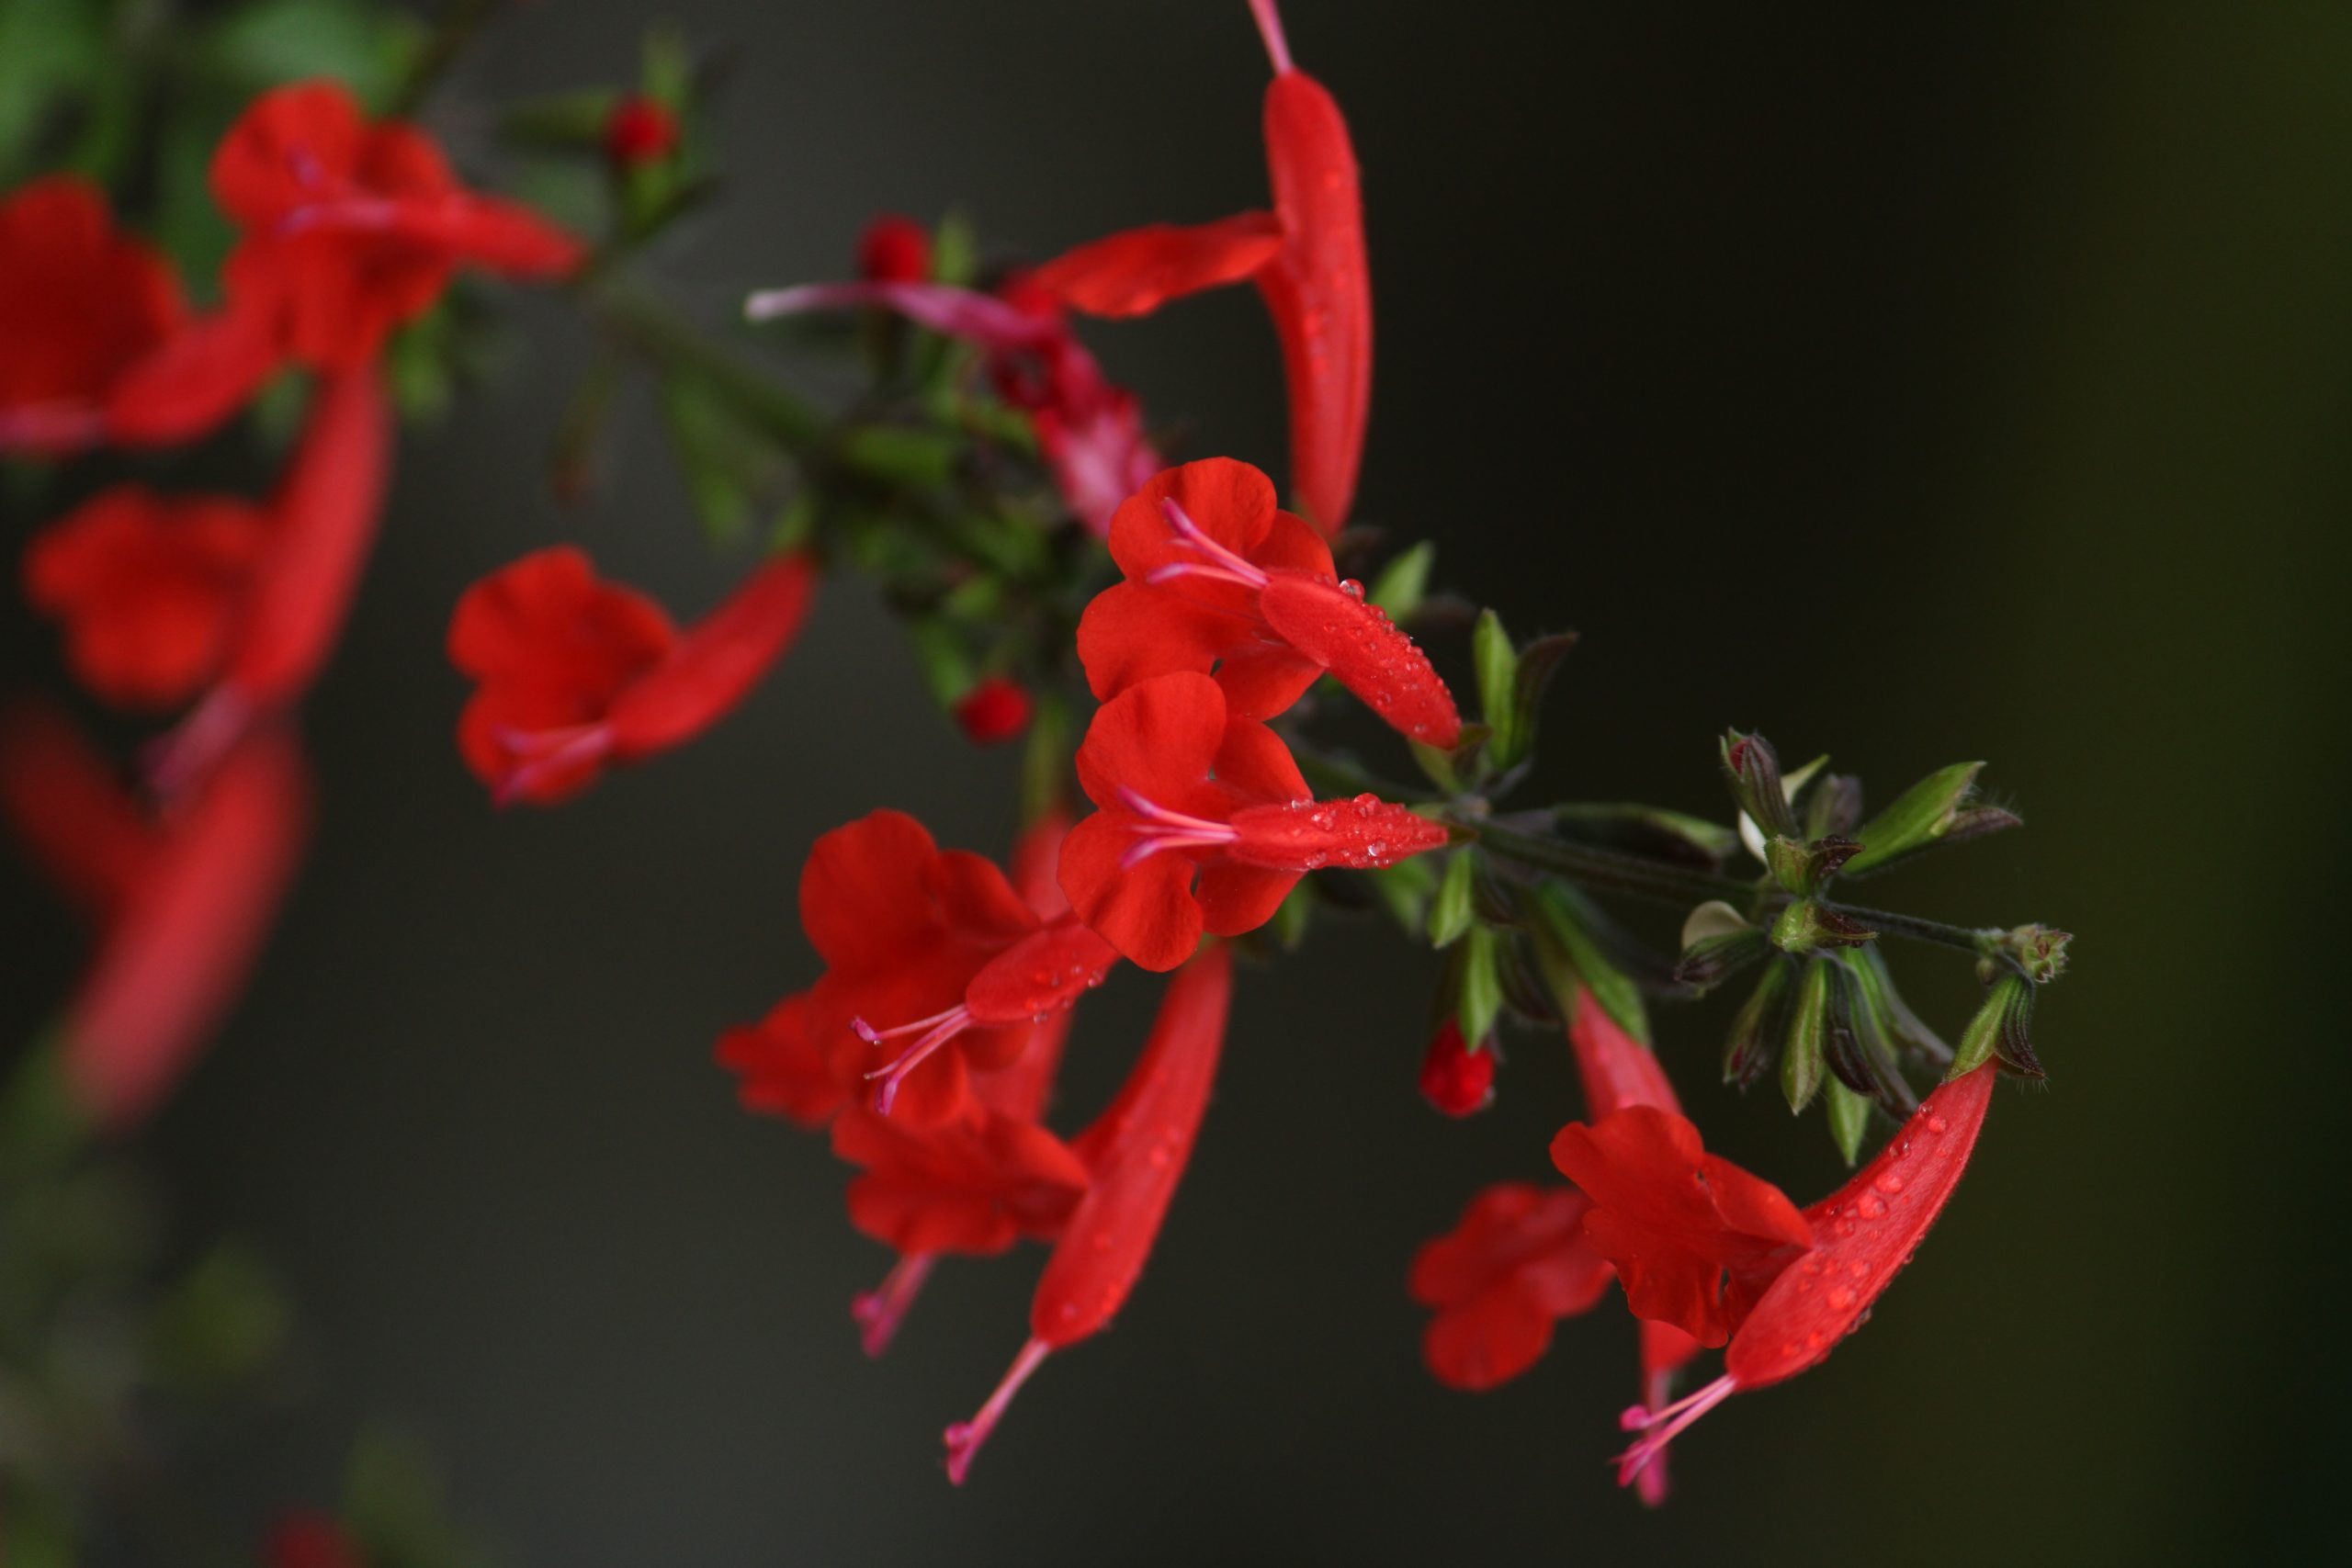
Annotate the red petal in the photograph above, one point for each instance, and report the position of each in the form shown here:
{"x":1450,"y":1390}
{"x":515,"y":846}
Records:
{"x":1147,"y":912}
{"x":202,"y":374}
{"x":327,"y":508}
{"x":1040,"y":974}
{"x":258,"y":170}
{"x":79,"y":302}
{"x":175,"y":957}
{"x":784,"y":1069}
{"x":1864,"y":1233}
{"x":1319,"y":291}
{"x":1134,"y":273}
{"x":1135,"y":1152}
{"x":1255,"y":764}
{"x":547,"y":619}
{"x":1235,"y":898}
{"x":977,"y":904}
{"x":1158,"y":738}
{"x":1231,"y":503}
{"x":865,"y":894}
{"x":718,"y":662}
{"x":1487,"y":1341}
{"x":1132,"y":632}
{"x":1365,"y":651}
{"x":70,"y":810}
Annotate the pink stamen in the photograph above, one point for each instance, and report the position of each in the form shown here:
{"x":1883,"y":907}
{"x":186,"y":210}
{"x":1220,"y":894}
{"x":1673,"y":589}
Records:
{"x":557,"y":749}
{"x":1226,"y":565}
{"x":965,"y":1437}
{"x":1270,"y":28}
{"x":186,"y":756}
{"x":353,"y":215}
{"x":878,"y":1312}
{"x":946,"y":1026}
{"x":1167,"y":830}
{"x":1661,"y":1427}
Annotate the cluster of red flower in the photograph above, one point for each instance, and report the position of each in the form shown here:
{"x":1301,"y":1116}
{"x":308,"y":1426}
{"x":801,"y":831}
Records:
{"x":211,"y":603}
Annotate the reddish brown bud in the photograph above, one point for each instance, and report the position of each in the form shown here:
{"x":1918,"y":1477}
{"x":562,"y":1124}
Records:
{"x":1455,"y":1079}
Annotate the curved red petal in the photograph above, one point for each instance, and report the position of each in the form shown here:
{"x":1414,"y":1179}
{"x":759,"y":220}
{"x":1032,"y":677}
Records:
{"x":1147,"y":911}
{"x":1135,"y":272}
{"x":1365,"y":651}
{"x":716,"y":664}
{"x":1158,"y":738}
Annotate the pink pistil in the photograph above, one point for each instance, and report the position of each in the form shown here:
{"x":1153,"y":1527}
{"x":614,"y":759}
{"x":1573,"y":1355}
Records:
{"x":942,"y":1027}
{"x":179,"y":760}
{"x":1224,"y":565}
{"x":1270,"y":28}
{"x":1661,"y":1427}
{"x":965,"y":1437}
{"x":878,"y":1312}
{"x":1164,"y":830}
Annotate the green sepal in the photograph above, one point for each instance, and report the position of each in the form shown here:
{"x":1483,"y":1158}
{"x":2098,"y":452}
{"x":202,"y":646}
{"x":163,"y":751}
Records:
{"x":1403,"y":583}
{"x":1940,"y":809}
{"x":1849,"y":1118}
{"x":1903,"y":1029}
{"x":1451,"y":912}
{"x":1405,"y":889}
{"x":560,"y":122}
{"x":1539,"y":661}
{"x":1479,"y":1001}
{"x":219,"y":1325}
{"x":1497,"y":667}
{"x":1802,"y":1063}
{"x":1572,"y":960}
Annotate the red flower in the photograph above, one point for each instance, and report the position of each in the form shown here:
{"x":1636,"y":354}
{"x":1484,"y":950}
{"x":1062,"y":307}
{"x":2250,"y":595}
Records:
{"x":99,"y":343}
{"x":1862,"y":1236}
{"x":894,"y":250}
{"x":972,"y":1184}
{"x":352,"y":230}
{"x":184,"y":904}
{"x":1187,"y":793}
{"x":148,"y":588}
{"x":1307,"y":259}
{"x":576,"y":673}
{"x":1454,"y":1078}
{"x":996,"y":710}
{"x":1516,"y":1263}
{"x":1219,"y":579}
{"x":1695,"y":1238}
{"x":324,"y":521}
{"x":640,"y":130}
{"x":935,"y":943}
{"x":1090,"y":432}
{"x":1135,"y":1153}
{"x":310,"y":1541}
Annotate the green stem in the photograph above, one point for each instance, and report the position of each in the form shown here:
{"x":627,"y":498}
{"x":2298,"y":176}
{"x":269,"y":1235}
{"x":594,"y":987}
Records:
{"x":1889,"y":923}
{"x":655,"y":330}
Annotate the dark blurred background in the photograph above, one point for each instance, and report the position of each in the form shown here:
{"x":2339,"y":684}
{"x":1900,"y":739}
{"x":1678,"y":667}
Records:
{"x":1912,"y":383}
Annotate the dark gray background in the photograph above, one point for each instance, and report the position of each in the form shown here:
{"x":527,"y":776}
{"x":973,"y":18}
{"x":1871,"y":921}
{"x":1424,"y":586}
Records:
{"x":1910,"y":385}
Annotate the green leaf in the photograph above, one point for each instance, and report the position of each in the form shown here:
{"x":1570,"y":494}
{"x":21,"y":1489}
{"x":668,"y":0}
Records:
{"x":1539,"y":661}
{"x":1573,"y":960}
{"x":1450,"y":913}
{"x":1804,"y":1063}
{"x":1918,"y":816}
{"x":49,"y":50}
{"x":270,"y":42}
{"x":1404,"y":581}
{"x":955,"y":252}
{"x":726,"y":466}
{"x":668,"y":67}
{"x":219,"y":1325}
{"x":1293,"y":917}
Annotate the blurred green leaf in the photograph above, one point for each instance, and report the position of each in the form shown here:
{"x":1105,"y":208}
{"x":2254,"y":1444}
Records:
{"x":219,"y":1325}
{"x":265,"y":43}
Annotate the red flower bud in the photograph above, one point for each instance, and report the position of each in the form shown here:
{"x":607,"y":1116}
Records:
{"x":1454,"y":1078}
{"x":640,"y":131}
{"x":894,"y":250}
{"x":995,"y":711}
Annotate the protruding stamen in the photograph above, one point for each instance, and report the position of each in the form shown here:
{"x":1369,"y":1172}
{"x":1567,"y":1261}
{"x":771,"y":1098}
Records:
{"x":550,"y":751}
{"x":878,"y":1312}
{"x":1270,"y":28}
{"x":1661,"y":1427}
{"x":874,"y":1036}
{"x":188,"y":754}
{"x":1167,"y":830}
{"x":1226,"y":566}
{"x":965,"y":1437}
{"x":944,"y":1027}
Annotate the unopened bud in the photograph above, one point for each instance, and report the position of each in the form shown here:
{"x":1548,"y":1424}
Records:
{"x":894,"y":249}
{"x":1849,"y":1118}
{"x":2001,"y":1028}
{"x":1457,"y":1079}
{"x":995,"y":711}
{"x":1834,"y":807}
{"x":1903,"y":1029}
{"x":640,"y":130}
{"x":1755,"y":1036}
{"x":1940,"y":808}
{"x":1716,"y":944}
{"x":1753,"y":769}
